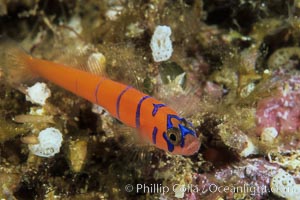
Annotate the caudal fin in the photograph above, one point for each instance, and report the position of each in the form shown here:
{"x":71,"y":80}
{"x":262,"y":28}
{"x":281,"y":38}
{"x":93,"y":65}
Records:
{"x":14,"y":63}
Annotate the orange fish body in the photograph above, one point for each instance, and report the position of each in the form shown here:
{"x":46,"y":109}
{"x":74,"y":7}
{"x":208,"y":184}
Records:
{"x":156,"y":122}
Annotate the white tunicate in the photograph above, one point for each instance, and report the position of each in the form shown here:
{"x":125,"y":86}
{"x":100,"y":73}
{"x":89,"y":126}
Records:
{"x":284,"y":185}
{"x":38,"y":93}
{"x":96,"y":63}
{"x":113,"y":13}
{"x":161,"y":44}
{"x":179,"y":191}
{"x":50,"y":140}
{"x":269,"y":134}
{"x":250,"y":149}
{"x":247,"y":90}
{"x":75,"y":24}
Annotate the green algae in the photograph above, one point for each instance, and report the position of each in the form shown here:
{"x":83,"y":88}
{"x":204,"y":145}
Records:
{"x":10,"y":130}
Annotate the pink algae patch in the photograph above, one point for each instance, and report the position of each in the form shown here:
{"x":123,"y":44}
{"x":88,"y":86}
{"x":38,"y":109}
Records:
{"x":282,"y":110}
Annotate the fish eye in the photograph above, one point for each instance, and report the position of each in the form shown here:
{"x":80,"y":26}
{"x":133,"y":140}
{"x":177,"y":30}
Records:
{"x":174,"y":135}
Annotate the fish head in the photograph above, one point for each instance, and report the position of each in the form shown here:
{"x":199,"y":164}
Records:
{"x":180,"y":136}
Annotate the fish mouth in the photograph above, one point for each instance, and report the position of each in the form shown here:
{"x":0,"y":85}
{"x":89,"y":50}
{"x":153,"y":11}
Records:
{"x":193,"y":146}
